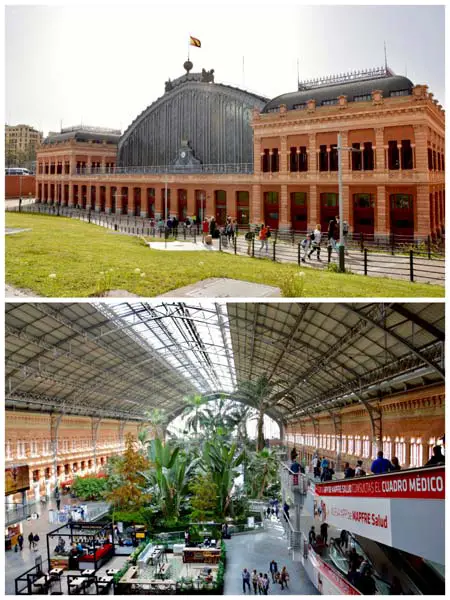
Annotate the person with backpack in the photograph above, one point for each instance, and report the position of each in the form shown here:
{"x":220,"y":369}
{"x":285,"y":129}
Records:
{"x":249,"y":237}
{"x":315,"y":241}
{"x":36,"y":539}
{"x":264,"y":235}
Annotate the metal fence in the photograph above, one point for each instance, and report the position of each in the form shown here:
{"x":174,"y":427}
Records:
{"x":414,"y":261}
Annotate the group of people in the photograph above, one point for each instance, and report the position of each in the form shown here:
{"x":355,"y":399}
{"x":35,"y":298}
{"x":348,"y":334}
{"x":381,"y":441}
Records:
{"x":312,"y":241}
{"x":227,"y":231}
{"x":263,"y":234}
{"x":261,"y":583}
{"x":322,"y":468}
{"x":318,"y":541}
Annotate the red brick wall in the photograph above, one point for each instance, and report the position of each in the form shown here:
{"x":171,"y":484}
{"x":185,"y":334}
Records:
{"x":12,"y":186}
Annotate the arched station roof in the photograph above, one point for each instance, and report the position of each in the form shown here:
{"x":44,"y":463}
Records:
{"x":122,"y":360}
{"x":351,"y":89}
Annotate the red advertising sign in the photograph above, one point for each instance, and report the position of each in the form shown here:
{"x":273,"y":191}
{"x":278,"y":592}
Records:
{"x":336,"y":579}
{"x":425,"y":483}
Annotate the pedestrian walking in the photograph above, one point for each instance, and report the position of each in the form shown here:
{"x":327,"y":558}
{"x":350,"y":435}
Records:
{"x":260,"y":583}
{"x":315,"y":242}
{"x":255,"y":581}
{"x":31,"y":540}
{"x":246,"y":580}
{"x":284,"y":578}
{"x":35,"y":541}
{"x":324,"y":531}
{"x":20,"y":541}
{"x":273,"y":568}
{"x":266,"y":584}
{"x":264,"y":235}
{"x":332,"y":236}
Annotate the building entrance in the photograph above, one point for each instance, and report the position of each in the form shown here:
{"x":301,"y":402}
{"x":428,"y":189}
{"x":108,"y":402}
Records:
{"x":271,"y":209}
{"x":299,"y":211}
{"x":402,"y":214}
{"x":329,"y":208}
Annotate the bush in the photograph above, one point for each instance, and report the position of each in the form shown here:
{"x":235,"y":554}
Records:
{"x":89,"y":488}
{"x":291,"y":286}
{"x":143,"y":516}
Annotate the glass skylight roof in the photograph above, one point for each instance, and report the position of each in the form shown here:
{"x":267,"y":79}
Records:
{"x":193,"y":338}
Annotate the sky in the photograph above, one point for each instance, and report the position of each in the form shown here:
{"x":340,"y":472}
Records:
{"x":102,"y":65}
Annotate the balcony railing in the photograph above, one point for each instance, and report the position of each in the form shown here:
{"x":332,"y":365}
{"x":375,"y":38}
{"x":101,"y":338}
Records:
{"x":16,"y":512}
{"x":222,"y":169}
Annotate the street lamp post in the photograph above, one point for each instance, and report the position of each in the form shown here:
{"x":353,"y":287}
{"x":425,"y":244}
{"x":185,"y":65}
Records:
{"x":340,"y":148}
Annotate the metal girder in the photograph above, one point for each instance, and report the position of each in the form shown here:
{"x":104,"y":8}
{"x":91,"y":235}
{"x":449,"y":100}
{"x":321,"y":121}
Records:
{"x":411,"y":316}
{"x":230,"y":360}
{"x":297,"y":324}
{"x":252,"y":349}
{"x":399,"y":339}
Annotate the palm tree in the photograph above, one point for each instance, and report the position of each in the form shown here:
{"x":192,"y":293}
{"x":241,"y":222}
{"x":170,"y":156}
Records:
{"x":260,"y":394}
{"x":264,"y":467}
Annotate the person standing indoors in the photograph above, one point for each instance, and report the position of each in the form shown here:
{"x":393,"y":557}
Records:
{"x":273,"y":568}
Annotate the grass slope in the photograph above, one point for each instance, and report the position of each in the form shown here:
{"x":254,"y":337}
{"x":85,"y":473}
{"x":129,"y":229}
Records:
{"x":78,"y":252}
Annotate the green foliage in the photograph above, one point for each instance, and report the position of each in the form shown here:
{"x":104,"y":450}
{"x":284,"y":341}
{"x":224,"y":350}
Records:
{"x":125,"y":487}
{"x":89,"y":488}
{"x":169,"y":476}
{"x":220,"y":460}
{"x":292,"y":284}
{"x":58,"y":245}
{"x":135,"y":554}
{"x":264,"y":472}
{"x":143,"y":516}
{"x":204,"y":498}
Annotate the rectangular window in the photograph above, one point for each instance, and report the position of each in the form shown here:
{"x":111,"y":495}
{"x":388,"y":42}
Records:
{"x":301,"y":106}
{"x":430,"y":159}
{"x":366,"y":447}
{"x":434,"y":160}
{"x":271,"y":197}
{"x":407,"y":155}
{"x":350,"y":445}
{"x":298,"y":198}
{"x":400,"y":450}
{"x":329,"y":199}
{"x":399,"y":93}
{"x":356,"y":157}
{"x":402,"y":201}
{"x":368,"y":159}
{"x":275,"y":163}
{"x":329,"y":102}
{"x":362,"y":98}
{"x":357,"y":445}
{"x":266,"y":161}
{"x":293,"y":160}
{"x":333,"y":158}
{"x":323,"y":158}
{"x":363,"y":201}
{"x":393,"y":156}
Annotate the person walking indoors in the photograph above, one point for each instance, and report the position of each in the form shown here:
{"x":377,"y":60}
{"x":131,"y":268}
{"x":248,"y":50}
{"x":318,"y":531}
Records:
{"x":255,"y":581}
{"x":284,"y":578}
{"x":31,"y":540}
{"x":266,"y":584}
{"x":246,"y":580}
{"x":380,"y":464}
{"x":273,"y":568}
{"x":20,"y":541}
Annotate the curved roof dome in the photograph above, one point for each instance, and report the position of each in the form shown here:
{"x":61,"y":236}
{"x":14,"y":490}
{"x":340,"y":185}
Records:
{"x":363,"y":87}
{"x":214,"y":119}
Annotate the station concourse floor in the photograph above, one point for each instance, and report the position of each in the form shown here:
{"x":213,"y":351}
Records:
{"x":17,"y":563}
{"x":255,"y":551}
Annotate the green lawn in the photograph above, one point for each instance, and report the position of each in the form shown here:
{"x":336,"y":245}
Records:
{"x":88,"y":259}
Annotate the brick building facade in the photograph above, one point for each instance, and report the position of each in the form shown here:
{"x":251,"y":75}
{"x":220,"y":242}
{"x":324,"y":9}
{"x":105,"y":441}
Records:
{"x":410,"y":424}
{"x":71,"y":445}
{"x":393,"y":170}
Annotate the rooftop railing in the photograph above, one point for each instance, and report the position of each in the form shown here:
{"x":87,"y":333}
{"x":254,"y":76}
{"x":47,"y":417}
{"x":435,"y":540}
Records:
{"x":222,"y":168}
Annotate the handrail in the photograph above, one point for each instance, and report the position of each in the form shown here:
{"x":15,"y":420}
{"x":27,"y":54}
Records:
{"x":390,"y":473}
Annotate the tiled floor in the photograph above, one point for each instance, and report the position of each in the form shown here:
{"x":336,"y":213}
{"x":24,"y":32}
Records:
{"x":255,"y":551}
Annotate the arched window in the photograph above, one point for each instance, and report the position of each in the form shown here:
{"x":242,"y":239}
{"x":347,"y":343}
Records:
{"x":344,"y":444}
{"x":333,"y":442}
{"x":350,"y":444}
{"x":366,"y":446}
{"x":400,"y":450}
{"x":416,"y":452}
{"x":387,"y":447}
{"x":358,"y":445}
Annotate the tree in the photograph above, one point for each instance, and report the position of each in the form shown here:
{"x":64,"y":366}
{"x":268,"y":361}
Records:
{"x":264,"y":467}
{"x":126,"y":486}
{"x":260,"y":394}
{"x":204,"y":498}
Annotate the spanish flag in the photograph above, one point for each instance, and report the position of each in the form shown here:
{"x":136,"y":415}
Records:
{"x":194,"y":42}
